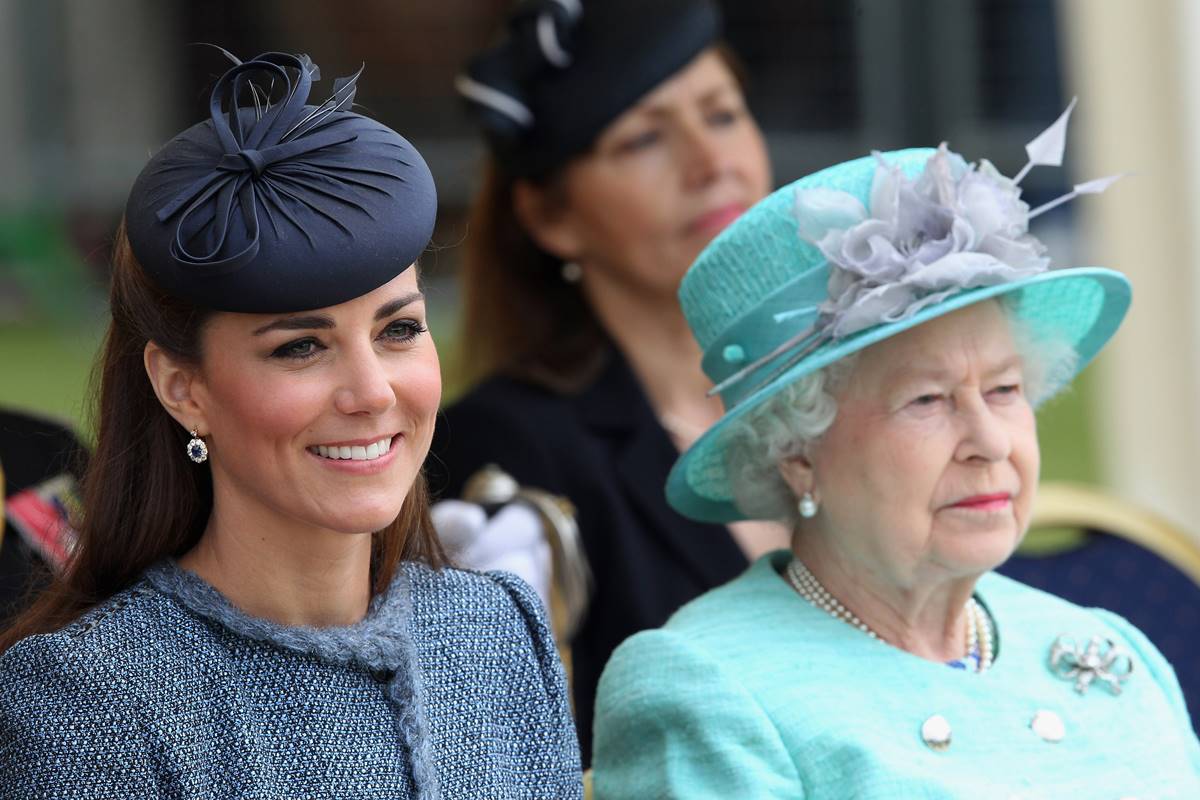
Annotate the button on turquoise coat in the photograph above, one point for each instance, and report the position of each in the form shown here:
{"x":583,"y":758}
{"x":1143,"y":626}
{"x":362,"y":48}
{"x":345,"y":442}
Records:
{"x":750,"y":691}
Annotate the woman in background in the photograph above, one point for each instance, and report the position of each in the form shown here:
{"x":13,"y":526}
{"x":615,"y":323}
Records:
{"x":620,"y":145}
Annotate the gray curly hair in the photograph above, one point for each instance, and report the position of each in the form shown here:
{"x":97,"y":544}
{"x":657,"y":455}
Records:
{"x":789,"y":423}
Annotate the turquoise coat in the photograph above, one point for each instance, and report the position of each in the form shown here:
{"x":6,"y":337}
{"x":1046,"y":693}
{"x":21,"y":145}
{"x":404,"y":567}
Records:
{"x":750,"y":691}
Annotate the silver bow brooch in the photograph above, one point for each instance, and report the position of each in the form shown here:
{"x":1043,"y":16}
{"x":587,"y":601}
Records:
{"x":1111,"y":665}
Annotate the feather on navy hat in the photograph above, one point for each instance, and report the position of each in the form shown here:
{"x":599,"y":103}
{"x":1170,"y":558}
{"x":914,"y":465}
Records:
{"x":280,"y":206}
{"x":567,"y":68}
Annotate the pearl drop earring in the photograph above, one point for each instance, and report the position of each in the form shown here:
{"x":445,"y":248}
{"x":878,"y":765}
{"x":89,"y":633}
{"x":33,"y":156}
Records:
{"x":807,"y":506}
{"x":571,"y":272}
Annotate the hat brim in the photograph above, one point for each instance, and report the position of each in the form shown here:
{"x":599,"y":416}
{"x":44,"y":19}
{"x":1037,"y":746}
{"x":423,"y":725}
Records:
{"x":1083,"y":305}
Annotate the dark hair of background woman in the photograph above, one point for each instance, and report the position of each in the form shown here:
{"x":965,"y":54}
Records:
{"x":519,"y":315}
{"x":143,"y":500}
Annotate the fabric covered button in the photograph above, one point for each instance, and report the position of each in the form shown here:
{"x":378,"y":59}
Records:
{"x":1048,"y":726}
{"x":733,"y":354}
{"x":935,"y":732}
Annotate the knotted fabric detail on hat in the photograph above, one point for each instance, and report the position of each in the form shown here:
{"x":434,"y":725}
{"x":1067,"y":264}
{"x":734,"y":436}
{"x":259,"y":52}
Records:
{"x":273,"y":204}
{"x":241,"y":182}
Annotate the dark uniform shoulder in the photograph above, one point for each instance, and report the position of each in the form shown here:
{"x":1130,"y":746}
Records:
{"x":41,"y":461}
{"x":33,"y":448}
{"x":506,"y":395}
{"x":514,"y":424}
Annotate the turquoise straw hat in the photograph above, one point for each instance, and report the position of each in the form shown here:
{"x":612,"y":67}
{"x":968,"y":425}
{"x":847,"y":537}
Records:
{"x":758,"y":298}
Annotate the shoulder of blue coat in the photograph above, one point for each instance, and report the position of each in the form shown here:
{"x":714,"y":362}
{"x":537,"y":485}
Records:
{"x":464,"y":620}
{"x":449,"y":593}
{"x":122,"y":646}
{"x":138,"y":618}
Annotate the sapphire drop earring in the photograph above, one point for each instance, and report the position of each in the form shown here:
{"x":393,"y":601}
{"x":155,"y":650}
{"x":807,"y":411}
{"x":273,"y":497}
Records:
{"x":197,"y":450}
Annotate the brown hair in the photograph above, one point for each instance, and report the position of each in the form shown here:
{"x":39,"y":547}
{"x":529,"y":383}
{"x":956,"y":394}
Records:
{"x":519,"y":315}
{"x":142,"y":499}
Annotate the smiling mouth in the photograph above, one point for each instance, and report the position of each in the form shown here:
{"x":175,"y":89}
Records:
{"x":368,"y":452}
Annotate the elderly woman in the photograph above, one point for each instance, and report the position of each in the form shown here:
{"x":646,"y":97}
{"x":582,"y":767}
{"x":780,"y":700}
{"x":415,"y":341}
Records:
{"x":881,"y":333}
{"x":257,"y":605}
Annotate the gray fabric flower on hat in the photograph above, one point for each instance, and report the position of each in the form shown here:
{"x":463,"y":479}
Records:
{"x":955,"y":226}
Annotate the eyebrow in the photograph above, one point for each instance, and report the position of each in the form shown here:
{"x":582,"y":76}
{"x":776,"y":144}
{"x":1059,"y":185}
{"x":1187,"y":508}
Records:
{"x":325,"y":322}
{"x":709,"y":96}
{"x":392,"y":306}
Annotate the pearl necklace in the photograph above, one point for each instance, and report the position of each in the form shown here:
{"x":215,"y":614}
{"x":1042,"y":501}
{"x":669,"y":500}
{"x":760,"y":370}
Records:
{"x":979,"y":626}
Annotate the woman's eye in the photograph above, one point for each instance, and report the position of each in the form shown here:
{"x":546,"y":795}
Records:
{"x":641,"y":141}
{"x":298,"y":350}
{"x":723,"y":117}
{"x":403,"y":330}
{"x":1007,"y":390}
{"x":927,"y":400}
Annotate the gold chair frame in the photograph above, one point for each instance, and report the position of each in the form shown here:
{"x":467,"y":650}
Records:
{"x":1062,"y":504}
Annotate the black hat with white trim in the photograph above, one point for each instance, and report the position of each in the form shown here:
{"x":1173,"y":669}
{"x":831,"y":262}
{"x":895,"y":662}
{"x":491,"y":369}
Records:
{"x":567,"y":68}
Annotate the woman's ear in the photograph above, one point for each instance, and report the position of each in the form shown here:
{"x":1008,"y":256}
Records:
{"x":547,"y":218}
{"x":798,"y":473}
{"x":176,"y":385}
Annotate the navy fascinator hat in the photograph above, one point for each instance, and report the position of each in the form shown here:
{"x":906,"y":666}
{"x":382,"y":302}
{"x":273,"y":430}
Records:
{"x":565,"y":69}
{"x":272,"y":205}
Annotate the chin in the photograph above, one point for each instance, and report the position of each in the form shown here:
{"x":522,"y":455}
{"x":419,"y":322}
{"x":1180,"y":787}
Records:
{"x":983,"y":554}
{"x":360,"y":518}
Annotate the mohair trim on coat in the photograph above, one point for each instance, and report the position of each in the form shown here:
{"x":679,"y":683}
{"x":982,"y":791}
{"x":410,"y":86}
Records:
{"x":381,"y":643}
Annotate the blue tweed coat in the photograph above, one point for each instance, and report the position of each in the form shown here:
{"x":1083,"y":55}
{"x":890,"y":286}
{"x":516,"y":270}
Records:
{"x":449,"y":688}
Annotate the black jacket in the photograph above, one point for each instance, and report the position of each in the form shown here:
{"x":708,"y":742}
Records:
{"x":33,"y":452}
{"x":605,"y":450}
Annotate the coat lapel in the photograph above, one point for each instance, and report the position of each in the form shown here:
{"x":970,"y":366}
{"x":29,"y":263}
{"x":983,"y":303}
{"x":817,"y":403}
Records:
{"x":615,"y":408}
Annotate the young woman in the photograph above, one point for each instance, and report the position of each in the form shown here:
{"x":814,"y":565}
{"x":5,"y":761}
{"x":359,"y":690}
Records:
{"x":620,"y":145}
{"x":257,"y":605}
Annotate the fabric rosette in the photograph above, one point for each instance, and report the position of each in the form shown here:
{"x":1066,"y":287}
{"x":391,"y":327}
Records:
{"x":955,"y":226}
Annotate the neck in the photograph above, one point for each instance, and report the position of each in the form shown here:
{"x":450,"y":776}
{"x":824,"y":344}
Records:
{"x":923,"y":616}
{"x":652,"y":333}
{"x":275,"y":569}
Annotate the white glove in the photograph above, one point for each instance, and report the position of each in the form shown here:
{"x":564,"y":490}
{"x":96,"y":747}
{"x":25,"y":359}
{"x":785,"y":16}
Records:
{"x":512,"y":540}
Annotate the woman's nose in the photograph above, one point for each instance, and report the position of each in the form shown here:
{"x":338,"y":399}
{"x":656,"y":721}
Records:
{"x":703,"y":155}
{"x":364,"y":385}
{"x":986,"y":437}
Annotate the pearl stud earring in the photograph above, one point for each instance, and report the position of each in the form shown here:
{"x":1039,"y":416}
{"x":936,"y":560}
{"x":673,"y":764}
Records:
{"x":807,"y":506}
